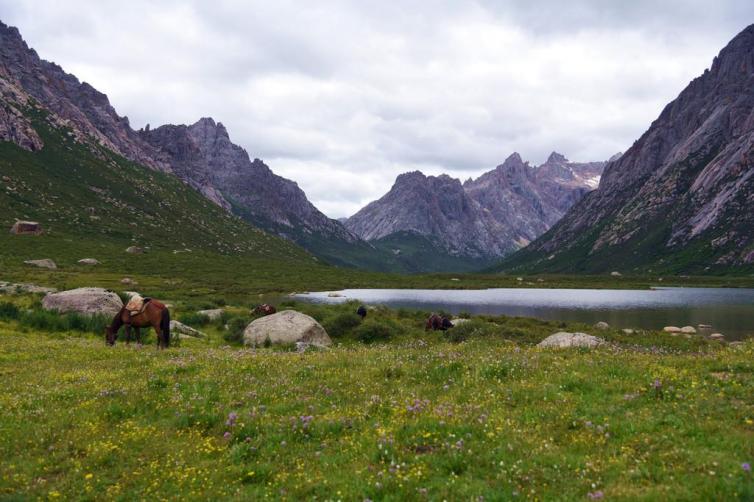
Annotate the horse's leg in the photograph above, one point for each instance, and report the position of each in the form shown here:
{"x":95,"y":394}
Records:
{"x":158,"y":332}
{"x":128,"y":334}
{"x":138,"y":335}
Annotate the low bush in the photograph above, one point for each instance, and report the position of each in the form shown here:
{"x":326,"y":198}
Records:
{"x":9,"y":311}
{"x":373,"y":330}
{"x":341,"y":325}
{"x":236,"y":327}
{"x":194,"y":319}
{"x":474,"y":328}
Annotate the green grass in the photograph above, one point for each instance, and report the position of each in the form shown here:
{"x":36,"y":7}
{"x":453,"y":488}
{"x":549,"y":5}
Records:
{"x":417,"y":417}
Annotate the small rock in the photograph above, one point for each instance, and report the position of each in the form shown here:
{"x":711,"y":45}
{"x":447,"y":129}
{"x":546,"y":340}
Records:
{"x":616,"y":274}
{"x":602,"y":325}
{"x":455,"y":279}
{"x":520,"y":279}
{"x":690,"y":330}
{"x":458,"y":321}
{"x":671,"y":329}
{"x":705,"y":326}
{"x":45,"y":263}
{"x":566,"y":340}
{"x":89,"y":261}
{"x":628,"y":331}
{"x":127,"y":280}
{"x":26,"y":228}
{"x":180,"y":328}
{"x":213,"y":314}
{"x":736,"y":344}
{"x":717,"y":336}
{"x":135,"y":250}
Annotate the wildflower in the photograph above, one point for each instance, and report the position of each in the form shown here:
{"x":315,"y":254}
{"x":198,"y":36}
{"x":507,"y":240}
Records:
{"x":89,"y":476}
{"x":232,"y":417}
{"x":227,"y":435}
{"x":746,"y":466}
{"x":595,"y":495}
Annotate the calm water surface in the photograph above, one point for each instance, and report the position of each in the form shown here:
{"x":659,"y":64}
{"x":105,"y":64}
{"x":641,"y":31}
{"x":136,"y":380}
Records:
{"x":729,"y":311}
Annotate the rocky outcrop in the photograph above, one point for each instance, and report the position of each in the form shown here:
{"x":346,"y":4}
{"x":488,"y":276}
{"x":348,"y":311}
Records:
{"x":84,"y":301}
{"x":182,"y":329}
{"x":493,"y":215}
{"x":43,"y":263}
{"x":286,"y":327}
{"x":88,"y":261}
{"x":77,"y":105}
{"x":564,"y":340}
{"x":26,"y":228}
{"x":687,"y":182}
{"x":203,"y":155}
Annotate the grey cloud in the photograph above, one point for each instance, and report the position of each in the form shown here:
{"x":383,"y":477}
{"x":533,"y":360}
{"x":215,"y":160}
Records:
{"x":343,"y":95}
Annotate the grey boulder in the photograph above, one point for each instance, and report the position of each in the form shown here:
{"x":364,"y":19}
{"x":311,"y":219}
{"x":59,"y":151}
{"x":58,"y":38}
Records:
{"x":286,"y":327}
{"x":45,"y":263}
{"x":563,"y":340}
{"x":84,"y":301}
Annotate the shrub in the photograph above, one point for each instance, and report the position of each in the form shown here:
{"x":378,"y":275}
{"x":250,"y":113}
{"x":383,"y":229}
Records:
{"x":195,"y":320}
{"x":341,"y":325}
{"x":9,"y":310}
{"x":236,"y":327}
{"x":373,"y":330}
{"x":475,"y":328}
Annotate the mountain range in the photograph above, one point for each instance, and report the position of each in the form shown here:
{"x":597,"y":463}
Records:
{"x":677,"y":200}
{"x":680,"y":198}
{"x":484,"y":218}
{"x":480,"y":221}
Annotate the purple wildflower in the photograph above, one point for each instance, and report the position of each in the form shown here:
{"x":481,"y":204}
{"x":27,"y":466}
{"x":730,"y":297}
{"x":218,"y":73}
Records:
{"x":595,"y":495}
{"x":227,"y":435}
{"x":746,"y":466}
{"x":232,"y":417}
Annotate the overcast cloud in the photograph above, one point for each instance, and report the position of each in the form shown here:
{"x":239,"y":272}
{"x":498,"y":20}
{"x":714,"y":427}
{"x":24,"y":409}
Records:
{"x":341,"y":96}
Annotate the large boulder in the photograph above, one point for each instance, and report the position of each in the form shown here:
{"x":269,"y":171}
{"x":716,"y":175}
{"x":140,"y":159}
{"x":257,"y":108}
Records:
{"x":45,"y":263}
{"x":26,"y":228}
{"x":285,"y":327}
{"x":564,"y":340}
{"x":84,"y":301}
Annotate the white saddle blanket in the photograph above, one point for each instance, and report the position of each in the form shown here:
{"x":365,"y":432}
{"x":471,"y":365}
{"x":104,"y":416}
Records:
{"x":135,"y":305}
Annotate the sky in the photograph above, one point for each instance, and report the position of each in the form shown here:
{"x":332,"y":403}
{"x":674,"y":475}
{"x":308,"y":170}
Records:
{"x":342,"y":96}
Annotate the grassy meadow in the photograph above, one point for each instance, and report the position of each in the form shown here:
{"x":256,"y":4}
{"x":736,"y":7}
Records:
{"x":391,"y":412}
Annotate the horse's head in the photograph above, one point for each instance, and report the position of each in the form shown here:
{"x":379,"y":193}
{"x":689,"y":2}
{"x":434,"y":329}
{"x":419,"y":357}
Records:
{"x":110,"y":335}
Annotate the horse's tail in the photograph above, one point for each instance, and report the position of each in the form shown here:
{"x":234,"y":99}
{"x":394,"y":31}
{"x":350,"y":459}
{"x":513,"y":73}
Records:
{"x":165,"y":326}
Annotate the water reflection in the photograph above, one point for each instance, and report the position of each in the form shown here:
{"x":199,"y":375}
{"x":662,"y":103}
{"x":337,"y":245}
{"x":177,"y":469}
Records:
{"x":729,"y":311}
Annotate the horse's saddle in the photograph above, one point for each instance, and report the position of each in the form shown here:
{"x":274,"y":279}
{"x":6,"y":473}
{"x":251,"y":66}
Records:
{"x":137,"y":304}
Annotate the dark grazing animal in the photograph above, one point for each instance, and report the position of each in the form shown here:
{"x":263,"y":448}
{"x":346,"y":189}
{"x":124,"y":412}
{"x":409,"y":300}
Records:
{"x":361,"y":311}
{"x":264,"y":309}
{"x":437,"y":322}
{"x":154,"y":314}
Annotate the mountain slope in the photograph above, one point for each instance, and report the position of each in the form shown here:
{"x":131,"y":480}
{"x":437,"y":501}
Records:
{"x":482,"y":219}
{"x":679,"y":199}
{"x":201,"y":155}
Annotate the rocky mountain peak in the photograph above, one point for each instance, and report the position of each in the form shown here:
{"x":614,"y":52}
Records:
{"x":556,"y":157}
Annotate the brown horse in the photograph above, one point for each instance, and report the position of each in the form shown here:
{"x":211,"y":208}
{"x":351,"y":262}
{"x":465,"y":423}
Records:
{"x":264,"y":309}
{"x":154,"y":314}
{"x":437,"y":322}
